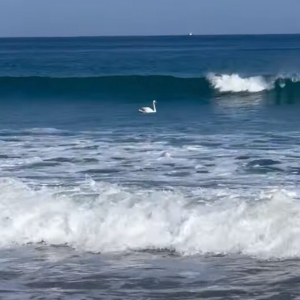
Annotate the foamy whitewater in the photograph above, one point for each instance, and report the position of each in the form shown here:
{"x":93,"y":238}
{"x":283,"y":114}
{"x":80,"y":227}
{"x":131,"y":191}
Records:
{"x":197,"y":201}
{"x":118,"y":219}
{"x":102,"y":212}
{"x":235,"y":84}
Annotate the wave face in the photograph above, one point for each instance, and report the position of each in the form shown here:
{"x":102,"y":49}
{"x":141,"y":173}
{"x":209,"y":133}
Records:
{"x":150,"y":86}
{"x":117,"y":219}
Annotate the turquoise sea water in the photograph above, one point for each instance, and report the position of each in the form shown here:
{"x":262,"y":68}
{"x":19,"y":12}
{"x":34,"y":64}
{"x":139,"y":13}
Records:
{"x":200,"y":200}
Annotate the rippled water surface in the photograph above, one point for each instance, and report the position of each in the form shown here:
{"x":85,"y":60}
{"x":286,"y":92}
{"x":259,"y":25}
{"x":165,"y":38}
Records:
{"x":197,"y":201}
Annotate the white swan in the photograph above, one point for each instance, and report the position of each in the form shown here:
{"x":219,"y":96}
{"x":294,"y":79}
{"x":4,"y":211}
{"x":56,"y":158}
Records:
{"x":148,"y":110}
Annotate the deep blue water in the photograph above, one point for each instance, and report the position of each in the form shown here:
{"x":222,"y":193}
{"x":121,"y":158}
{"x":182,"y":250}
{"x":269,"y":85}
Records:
{"x":199,"y":200}
{"x":178,"y":56}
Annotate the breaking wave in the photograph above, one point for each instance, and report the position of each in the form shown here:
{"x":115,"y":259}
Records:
{"x":236,"y":84}
{"x":156,"y":86}
{"x":101,"y":217}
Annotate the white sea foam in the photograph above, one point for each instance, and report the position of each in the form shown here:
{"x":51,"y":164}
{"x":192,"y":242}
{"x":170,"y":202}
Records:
{"x":43,"y":131}
{"x":122,"y":220}
{"x":235,"y":83}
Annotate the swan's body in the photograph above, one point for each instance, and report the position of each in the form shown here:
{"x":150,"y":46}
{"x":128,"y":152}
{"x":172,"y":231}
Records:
{"x":148,"y":110}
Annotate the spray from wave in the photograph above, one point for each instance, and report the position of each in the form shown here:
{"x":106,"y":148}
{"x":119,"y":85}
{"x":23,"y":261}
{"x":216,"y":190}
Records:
{"x":117,"y":219}
{"x":236,"y":84}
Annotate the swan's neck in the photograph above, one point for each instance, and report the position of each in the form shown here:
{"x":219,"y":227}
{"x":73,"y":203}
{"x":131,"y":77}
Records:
{"x":154,"y":107}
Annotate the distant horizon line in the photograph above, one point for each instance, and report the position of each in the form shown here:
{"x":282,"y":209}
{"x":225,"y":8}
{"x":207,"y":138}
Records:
{"x":164,"y":35}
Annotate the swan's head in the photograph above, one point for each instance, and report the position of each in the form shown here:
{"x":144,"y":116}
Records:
{"x":154,"y":101}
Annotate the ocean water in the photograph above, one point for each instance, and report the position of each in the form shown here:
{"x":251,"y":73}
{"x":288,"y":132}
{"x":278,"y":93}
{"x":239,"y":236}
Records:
{"x":197,"y":201}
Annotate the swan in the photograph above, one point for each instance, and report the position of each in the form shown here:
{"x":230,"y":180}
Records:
{"x":148,"y":110}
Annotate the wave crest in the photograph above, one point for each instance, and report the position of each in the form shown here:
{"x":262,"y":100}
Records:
{"x":236,"y":84}
{"x":136,"y":86}
{"x":117,"y":219}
